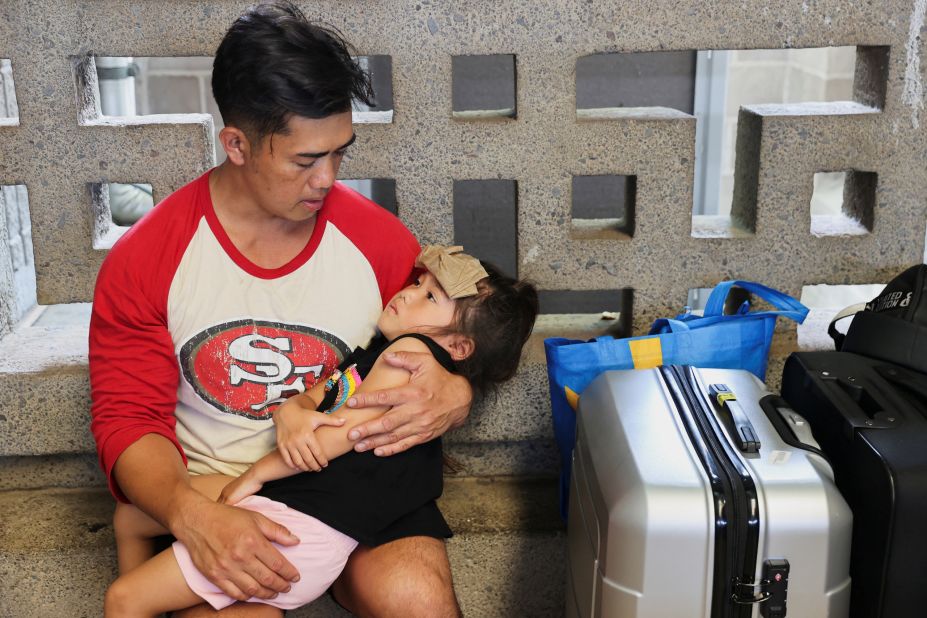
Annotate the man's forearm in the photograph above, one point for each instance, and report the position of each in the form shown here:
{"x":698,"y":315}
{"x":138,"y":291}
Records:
{"x":151,"y":474}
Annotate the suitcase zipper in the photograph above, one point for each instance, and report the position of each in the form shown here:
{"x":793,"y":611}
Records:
{"x":734,"y":490}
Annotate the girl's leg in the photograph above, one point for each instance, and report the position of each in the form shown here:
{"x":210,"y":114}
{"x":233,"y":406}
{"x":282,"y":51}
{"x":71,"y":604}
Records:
{"x":135,"y":530}
{"x":155,"y":587}
{"x":210,"y":485}
{"x":135,"y":534}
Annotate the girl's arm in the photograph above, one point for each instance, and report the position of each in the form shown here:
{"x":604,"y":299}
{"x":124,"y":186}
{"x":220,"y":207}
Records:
{"x":333,"y":440}
{"x":295,"y":422}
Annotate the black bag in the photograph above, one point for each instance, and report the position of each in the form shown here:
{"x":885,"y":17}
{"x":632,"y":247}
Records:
{"x":870,"y":418}
{"x":892,"y":326}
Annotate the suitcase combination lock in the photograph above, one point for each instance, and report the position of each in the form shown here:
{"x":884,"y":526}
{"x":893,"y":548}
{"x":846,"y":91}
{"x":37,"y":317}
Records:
{"x":771,"y":591}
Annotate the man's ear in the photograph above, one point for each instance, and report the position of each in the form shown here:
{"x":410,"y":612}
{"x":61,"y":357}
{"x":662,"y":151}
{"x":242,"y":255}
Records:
{"x":235,"y":144}
{"x":459,"y":346}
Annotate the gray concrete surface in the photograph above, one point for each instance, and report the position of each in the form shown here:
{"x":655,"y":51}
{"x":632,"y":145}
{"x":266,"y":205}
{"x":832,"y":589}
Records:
{"x":507,"y":555}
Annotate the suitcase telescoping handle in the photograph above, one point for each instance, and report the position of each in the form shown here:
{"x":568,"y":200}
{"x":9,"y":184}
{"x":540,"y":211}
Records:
{"x":744,"y":434}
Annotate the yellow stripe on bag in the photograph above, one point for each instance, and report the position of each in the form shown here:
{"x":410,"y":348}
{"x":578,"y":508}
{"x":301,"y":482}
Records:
{"x":646,"y":353}
{"x":571,"y":397}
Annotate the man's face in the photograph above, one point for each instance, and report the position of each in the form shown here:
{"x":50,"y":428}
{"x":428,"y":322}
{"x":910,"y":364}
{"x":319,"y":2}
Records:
{"x":290,"y":173}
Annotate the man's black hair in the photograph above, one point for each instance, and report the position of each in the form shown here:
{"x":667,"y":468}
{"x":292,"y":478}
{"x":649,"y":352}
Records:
{"x":273,"y":63}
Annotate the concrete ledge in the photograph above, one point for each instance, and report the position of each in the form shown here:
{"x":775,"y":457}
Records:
{"x":45,"y":394}
{"x":43,"y":471}
{"x":44,"y":399}
{"x":44,"y":391}
{"x":57,"y":554}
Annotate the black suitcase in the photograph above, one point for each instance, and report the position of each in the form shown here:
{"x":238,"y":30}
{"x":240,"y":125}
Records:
{"x":870,"y":418}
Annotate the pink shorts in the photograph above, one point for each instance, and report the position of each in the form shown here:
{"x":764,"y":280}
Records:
{"x":320,"y":557}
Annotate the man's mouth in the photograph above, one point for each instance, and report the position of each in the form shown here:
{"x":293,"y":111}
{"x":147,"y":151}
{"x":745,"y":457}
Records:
{"x":313,"y":205}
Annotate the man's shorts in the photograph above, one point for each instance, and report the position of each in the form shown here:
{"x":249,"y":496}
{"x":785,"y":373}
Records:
{"x":319,"y":557}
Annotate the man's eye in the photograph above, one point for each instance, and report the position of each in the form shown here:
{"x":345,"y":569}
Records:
{"x":418,"y":282}
{"x":432,"y":298}
{"x":340,"y":153}
{"x":306,"y":165}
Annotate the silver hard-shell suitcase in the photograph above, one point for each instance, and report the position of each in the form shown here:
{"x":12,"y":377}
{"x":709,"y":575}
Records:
{"x":695,"y":493}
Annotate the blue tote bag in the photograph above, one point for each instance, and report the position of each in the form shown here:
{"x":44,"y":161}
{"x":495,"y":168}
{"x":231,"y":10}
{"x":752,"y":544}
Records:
{"x":713,"y":340}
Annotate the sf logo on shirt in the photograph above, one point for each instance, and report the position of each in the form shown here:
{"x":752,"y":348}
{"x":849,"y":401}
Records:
{"x":249,"y":367}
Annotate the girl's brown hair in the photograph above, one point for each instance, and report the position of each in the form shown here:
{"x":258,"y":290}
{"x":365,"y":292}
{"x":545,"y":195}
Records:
{"x":499,"y":320}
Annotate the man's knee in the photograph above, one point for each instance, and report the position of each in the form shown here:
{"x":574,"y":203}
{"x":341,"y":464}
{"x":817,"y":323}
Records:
{"x":410,"y":577}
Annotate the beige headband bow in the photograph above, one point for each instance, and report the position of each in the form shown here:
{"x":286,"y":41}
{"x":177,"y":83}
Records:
{"x":457,"y":272}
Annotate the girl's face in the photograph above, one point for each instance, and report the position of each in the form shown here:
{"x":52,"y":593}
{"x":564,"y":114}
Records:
{"x":416,"y":308}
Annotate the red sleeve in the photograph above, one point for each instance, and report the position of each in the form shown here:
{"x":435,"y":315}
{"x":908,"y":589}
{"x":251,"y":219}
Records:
{"x":388,"y":245}
{"x":133,"y":369}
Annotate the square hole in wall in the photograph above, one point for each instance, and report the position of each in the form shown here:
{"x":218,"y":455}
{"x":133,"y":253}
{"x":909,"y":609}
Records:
{"x":824,"y":302}
{"x":130,"y":86}
{"x":603,"y":206}
{"x":613,"y":306}
{"x":380,"y":70}
{"x":14,"y":204}
{"x":727,"y":158}
{"x":379,"y":190}
{"x":843,"y":203}
{"x":116,"y":207}
{"x":606,"y":84}
{"x":486,"y":221}
{"x":483,"y":86}
{"x":697,"y":299}
{"x":9,"y":111}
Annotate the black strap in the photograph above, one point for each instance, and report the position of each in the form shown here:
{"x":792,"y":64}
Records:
{"x":846,"y":312}
{"x":441,"y":355}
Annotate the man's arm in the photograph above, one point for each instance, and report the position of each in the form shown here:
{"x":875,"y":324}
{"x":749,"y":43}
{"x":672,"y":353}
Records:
{"x":231,"y":544}
{"x":134,"y":377}
{"x":434,"y":401}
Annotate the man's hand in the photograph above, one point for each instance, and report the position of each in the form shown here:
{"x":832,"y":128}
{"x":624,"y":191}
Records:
{"x":232,"y":548}
{"x":296,"y":439}
{"x":434,"y":401}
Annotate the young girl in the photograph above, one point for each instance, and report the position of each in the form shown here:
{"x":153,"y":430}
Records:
{"x":473,"y":319}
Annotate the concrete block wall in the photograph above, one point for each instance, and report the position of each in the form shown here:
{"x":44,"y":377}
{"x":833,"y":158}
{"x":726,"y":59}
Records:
{"x":61,"y":149}
{"x":425,"y":149}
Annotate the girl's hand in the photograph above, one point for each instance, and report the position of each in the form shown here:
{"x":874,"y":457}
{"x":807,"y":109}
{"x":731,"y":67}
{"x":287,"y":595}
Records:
{"x":239,"y":489}
{"x":296,"y":439}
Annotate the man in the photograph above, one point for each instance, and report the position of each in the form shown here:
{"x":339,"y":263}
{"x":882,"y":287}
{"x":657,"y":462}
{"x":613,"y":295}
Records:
{"x":245,"y":286}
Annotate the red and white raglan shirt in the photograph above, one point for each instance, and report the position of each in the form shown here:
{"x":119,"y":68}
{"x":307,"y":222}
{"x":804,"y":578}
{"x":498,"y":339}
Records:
{"x":192,"y":341}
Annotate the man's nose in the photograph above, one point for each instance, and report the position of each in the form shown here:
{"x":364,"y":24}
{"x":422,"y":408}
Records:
{"x":324,"y":176}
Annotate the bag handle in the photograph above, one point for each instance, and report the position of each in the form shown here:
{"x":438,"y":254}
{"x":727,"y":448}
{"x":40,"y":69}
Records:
{"x":846,"y":312}
{"x":744,"y":434}
{"x":667,"y":325}
{"x":788,"y":307}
